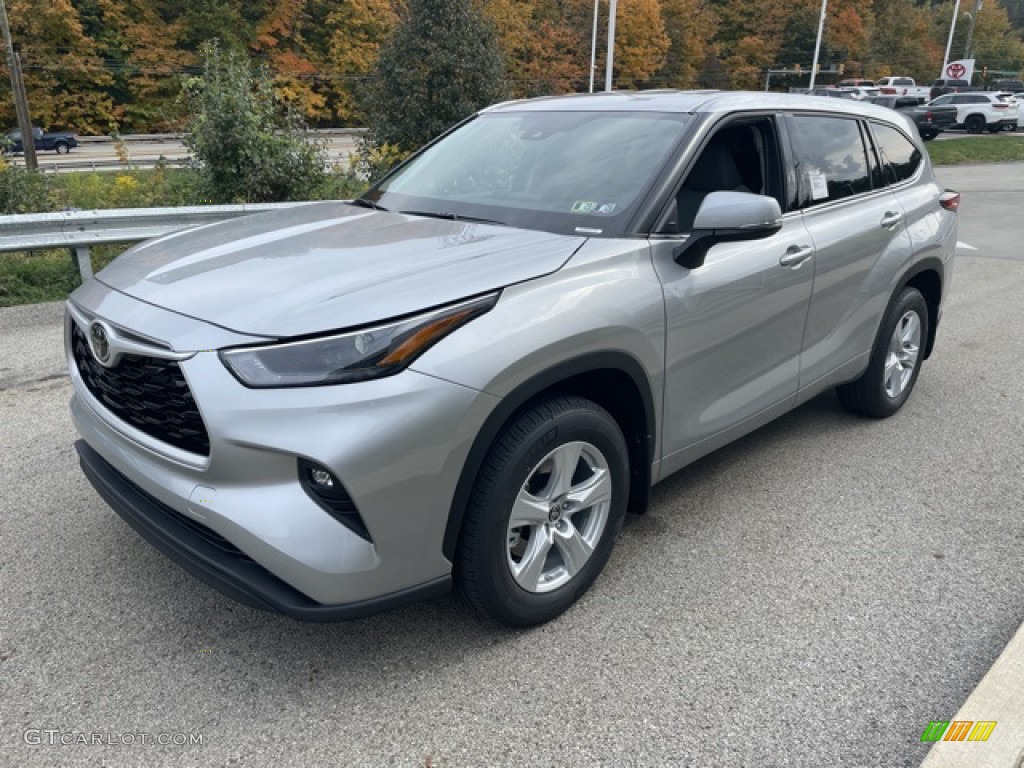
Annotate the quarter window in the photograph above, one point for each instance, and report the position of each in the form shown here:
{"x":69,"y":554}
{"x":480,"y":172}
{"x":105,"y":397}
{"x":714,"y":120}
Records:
{"x":900,"y":157}
{"x":834,"y":163}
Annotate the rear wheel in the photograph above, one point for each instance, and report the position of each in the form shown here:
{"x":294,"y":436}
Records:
{"x":895,"y":359}
{"x":544,"y":513}
{"x":929,"y":135}
{"x":975,"y":124}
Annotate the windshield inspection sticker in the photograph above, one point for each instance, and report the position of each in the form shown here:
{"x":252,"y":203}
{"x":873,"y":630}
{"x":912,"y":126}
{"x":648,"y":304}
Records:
{"x":819,"y":185}
{"x":588,"y":206}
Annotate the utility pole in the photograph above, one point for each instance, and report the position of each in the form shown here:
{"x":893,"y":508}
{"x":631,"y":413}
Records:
{"x":28,"y":143}
{"x":949,"y":42}
{"x":817,"y":43}
{"x":970,"y":29}
{"x":593,"y":48}
{"x":611,"y":45}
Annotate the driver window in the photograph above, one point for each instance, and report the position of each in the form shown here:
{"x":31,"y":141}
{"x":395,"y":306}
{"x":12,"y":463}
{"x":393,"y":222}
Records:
{"x":739,"y":157}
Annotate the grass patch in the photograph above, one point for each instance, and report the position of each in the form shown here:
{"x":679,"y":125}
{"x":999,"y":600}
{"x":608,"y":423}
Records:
{"x":983,"y":149}
{"x":37,"y":276}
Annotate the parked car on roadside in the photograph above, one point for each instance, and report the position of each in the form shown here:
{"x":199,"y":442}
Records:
{"x":856,"y":82}
{"x":980,"y":111}
{"x":61,"y":143}
{"x":930,"y":120}
{"x":834,"y":93}
{"x":474,"y":370}
{"x":946,"y":85}
{"x":1013,"y":86}
{"x":903,"y":86}
{"x":1014,"y":103}
{"x":865,"y":92}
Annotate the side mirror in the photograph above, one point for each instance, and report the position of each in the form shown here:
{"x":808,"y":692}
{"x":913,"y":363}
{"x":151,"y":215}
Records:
{"x":728,"y":217}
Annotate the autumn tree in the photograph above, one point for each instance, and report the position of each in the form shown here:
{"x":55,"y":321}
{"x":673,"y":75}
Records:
{"x":66,"y":82}
{"x":356,"y":31}
{"x":690,"y":26}
{"x":542,"y":44}
{"x":902,"y":43}
{"x":142,"y":53}
{"x":442,"y":63}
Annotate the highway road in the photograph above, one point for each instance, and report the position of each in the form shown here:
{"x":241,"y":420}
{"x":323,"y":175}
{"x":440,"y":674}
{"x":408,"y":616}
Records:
{"x":145,"y":152}
{"x":812,"y":595}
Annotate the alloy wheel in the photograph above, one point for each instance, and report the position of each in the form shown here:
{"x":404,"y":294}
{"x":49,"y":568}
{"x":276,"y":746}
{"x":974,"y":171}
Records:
{"x":558,"y":517}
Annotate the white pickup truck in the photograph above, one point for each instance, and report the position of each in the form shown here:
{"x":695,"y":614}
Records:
{"x":902,"y":86}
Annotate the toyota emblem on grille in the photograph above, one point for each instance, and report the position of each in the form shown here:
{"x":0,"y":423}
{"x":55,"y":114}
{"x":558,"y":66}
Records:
{"x":99,"y":343}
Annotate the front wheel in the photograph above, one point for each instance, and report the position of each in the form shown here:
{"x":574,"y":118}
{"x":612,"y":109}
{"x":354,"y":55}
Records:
{"x":62,"y":148}
{"x":545,"y":511}
{"x":895,"y":359}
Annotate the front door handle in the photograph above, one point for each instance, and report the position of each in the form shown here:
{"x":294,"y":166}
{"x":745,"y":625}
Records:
{"x":796,"y":255}
{"x":891,"y":219}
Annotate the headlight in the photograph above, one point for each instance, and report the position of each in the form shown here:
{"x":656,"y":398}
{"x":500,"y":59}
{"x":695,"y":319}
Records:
{"x":369,"y":353}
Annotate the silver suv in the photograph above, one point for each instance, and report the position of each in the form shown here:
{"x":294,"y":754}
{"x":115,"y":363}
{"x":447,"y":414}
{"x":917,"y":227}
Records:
{"x":475,"y":370}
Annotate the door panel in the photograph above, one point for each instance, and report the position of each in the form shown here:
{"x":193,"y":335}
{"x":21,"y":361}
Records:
{"x":734,"y":328}
{"x":856,"y":257}
{"x":858,"y":230}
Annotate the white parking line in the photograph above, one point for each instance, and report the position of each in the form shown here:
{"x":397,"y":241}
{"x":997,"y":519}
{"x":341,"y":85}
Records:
{"x":965,"y":246}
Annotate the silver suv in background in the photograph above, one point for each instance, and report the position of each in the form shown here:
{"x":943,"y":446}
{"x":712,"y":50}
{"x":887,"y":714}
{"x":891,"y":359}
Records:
{"x":472,"y":372}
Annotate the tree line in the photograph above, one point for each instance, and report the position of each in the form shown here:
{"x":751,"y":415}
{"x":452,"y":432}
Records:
{"x":99,"y":65}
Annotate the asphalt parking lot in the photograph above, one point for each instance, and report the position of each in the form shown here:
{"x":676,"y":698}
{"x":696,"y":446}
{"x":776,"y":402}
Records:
{"x":812,"y":595}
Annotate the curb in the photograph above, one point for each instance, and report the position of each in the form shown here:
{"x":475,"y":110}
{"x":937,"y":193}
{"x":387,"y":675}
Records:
{"x":999,"y":697}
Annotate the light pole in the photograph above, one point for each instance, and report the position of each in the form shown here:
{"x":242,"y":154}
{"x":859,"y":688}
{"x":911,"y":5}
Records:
{"x":817,"y":43}
{"x":970,"y":29}
{"x":949,"y":42}
{"x":611,"y":45}
{"x":593,"y":48}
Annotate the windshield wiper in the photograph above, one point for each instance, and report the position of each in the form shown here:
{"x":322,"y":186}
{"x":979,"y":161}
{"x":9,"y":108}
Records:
{"x":362,"y":202}
{"x":454,"y":217}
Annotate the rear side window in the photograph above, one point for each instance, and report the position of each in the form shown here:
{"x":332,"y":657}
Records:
{"x":833,"y":162}
{"x":900,"y":158}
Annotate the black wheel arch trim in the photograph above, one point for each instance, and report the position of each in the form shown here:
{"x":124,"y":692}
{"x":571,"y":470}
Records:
{"x":929,"y":264}
{"x":523,"y":394}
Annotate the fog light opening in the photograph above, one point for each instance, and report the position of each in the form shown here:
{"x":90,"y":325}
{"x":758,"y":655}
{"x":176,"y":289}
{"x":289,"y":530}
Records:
{"x":324,"y":487}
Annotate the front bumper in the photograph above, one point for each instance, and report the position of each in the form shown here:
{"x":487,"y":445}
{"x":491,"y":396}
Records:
{"x":397,"y":445}
{"x":215,"y":561}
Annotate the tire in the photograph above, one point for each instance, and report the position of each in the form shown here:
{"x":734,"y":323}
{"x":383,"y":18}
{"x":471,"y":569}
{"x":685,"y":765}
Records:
{"x":62,"y":147}
{"x":928,"y":135}
{"x":995,"y":128}
{"x":975,"y":124}
{"x":525,"y":575}
{"x":895,"y":359}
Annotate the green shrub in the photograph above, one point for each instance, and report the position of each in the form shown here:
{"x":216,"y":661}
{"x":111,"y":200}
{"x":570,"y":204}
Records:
{"x":23,"y":191}
{"x":442,"y":63}
{"x":248,"y":146}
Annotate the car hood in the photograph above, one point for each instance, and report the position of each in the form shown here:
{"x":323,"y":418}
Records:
{"x":327,"y":266}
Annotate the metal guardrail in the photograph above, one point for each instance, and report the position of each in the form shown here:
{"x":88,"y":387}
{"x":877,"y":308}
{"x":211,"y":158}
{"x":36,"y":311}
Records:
{"x":79,"y":231}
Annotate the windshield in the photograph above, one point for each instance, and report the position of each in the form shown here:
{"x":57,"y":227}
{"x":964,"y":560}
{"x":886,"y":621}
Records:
{"x":566,"y":172}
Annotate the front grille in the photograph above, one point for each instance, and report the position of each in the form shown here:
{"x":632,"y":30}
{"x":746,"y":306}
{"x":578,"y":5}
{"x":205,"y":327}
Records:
{"x":149,"y":393}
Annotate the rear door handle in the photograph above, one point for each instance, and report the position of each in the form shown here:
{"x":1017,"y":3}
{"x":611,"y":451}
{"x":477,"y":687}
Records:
{"x":891,"y":219}
{"x":796,"y":255}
